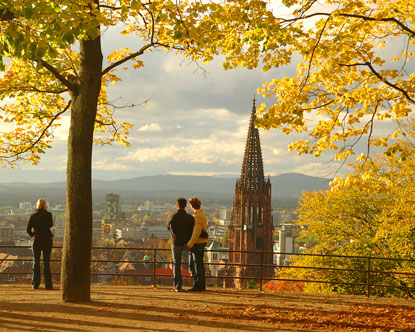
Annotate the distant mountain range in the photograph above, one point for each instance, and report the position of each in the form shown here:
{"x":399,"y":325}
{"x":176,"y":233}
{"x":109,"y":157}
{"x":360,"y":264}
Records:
{"x":284,"y":185}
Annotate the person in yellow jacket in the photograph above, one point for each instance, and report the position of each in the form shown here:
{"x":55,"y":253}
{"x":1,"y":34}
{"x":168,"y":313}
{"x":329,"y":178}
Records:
{"x":197,"y":244}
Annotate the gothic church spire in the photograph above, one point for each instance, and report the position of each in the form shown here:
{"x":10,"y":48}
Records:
{"x":252,"y":174}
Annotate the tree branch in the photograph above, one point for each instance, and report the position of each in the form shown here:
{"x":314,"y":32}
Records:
{"x":152,"y":24}
{"x":34,"y":89}
{"x":131,"y":56}
{"x":6,"y":15}
{"x":71,"y":86}
{"x":109,"y":7}
{"x":17,"y":154}
{"x":72,"y":64}
{"x":312,"y":54}
{"x":365,"y":18}
{"x":387,"y":19}
{"x":384,"y":80}
{"x":139,"y":52}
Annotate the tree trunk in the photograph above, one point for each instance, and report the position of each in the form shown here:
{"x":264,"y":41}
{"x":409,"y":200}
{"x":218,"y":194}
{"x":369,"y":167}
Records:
{"x":76,"y":255}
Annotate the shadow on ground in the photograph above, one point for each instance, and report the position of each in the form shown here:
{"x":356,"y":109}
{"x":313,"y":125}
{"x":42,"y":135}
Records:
{"x":130,"y":308}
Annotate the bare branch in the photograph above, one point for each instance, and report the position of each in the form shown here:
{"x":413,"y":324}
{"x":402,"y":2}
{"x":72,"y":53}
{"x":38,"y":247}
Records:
{"x":307,"y":109}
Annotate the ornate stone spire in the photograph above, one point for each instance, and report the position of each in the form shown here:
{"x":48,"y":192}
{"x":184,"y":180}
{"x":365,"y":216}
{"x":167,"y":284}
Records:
{"x":251,"y":224}
{"x":252,"y":174}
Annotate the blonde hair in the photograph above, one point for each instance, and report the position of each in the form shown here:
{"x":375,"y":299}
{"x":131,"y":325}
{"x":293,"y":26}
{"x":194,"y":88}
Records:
{"x":195,"y":203}
{"x":41,"y":204}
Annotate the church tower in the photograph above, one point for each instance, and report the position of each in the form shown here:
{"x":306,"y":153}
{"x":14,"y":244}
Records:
{"x":251,"y":222}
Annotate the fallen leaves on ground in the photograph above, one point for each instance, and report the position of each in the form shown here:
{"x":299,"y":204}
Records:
{"x":352,"y":318}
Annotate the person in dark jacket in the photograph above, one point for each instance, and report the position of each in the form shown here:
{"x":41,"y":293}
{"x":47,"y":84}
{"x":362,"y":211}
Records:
{"x":38,"y":228}
{"x":181,"y":226}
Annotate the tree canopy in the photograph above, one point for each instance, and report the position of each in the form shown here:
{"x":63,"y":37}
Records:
{"x":369,"y":213}
{"x":356,"y":69}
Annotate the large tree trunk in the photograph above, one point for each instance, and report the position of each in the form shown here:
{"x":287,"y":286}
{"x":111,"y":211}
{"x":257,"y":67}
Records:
{"x":76,"y":256}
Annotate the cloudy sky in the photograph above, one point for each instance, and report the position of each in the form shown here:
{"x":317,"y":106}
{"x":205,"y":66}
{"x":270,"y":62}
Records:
{"x":195,"y":123}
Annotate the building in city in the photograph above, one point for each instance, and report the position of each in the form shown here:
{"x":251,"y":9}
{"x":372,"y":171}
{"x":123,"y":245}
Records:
{"x":6,"y":233}
{"x":107,"y":231}
{"x":112,"y":217}
{"x":251,"y":222}
{"x":150,"y":206}
{"x":159,"y":231}
{"x":25,"y":206}
{"x":112,"y":206}
{"x":216,"y":257}
{"x":218,"y":231}
{"x":225,"y":214}
{"x":130,"y":233}
{"x":59,"y":228}
{"x":286,"y":244}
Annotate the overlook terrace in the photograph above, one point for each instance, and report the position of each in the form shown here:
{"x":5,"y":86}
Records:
{"x":138,"y":308}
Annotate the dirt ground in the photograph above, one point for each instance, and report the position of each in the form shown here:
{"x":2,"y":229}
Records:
{"x":138,"y":308}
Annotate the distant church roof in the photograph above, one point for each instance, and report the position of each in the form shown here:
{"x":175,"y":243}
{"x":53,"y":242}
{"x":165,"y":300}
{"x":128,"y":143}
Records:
{"x":252,"y":174}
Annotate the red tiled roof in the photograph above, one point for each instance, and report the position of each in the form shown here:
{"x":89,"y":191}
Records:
{"x":4,"y":265}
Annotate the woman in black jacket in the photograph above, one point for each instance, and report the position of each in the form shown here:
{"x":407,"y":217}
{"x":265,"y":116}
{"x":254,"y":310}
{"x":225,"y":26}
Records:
{"x":38,"y":228}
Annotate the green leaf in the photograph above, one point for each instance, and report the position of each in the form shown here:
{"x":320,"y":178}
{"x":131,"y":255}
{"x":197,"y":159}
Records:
{"x":28,"y":12}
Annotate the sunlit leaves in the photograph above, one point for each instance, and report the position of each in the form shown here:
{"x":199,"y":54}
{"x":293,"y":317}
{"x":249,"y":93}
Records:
{"x":39,"y":28}
{"x":369,"y":213}
{"x":345,"y":83}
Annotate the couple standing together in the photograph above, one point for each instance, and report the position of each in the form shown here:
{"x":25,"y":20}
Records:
{"x":188,"y":232}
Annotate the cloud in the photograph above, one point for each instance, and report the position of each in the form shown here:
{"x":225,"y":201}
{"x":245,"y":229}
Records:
{"x":277,"y":152}
{"x":218,"y":114}
{"x":61,"y":133}
{"x":202,"y":151}
{"x":204,"y":173}
{"x":150,"y":127}
{"x":108,"y":166}
{"x":320,"y":169}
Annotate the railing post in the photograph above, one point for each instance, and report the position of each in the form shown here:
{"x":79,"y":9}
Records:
{"x":154,"y":267}
{"x":260,"y":271}
{"x":368,"y":277}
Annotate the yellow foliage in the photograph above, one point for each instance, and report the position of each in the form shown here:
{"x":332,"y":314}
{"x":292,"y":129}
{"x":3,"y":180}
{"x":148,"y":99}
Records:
{"x":342,"y":76}
{"x":368,"y":213}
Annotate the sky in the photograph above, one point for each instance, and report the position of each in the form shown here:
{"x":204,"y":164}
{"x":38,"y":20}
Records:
{"x":194,"y":123}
